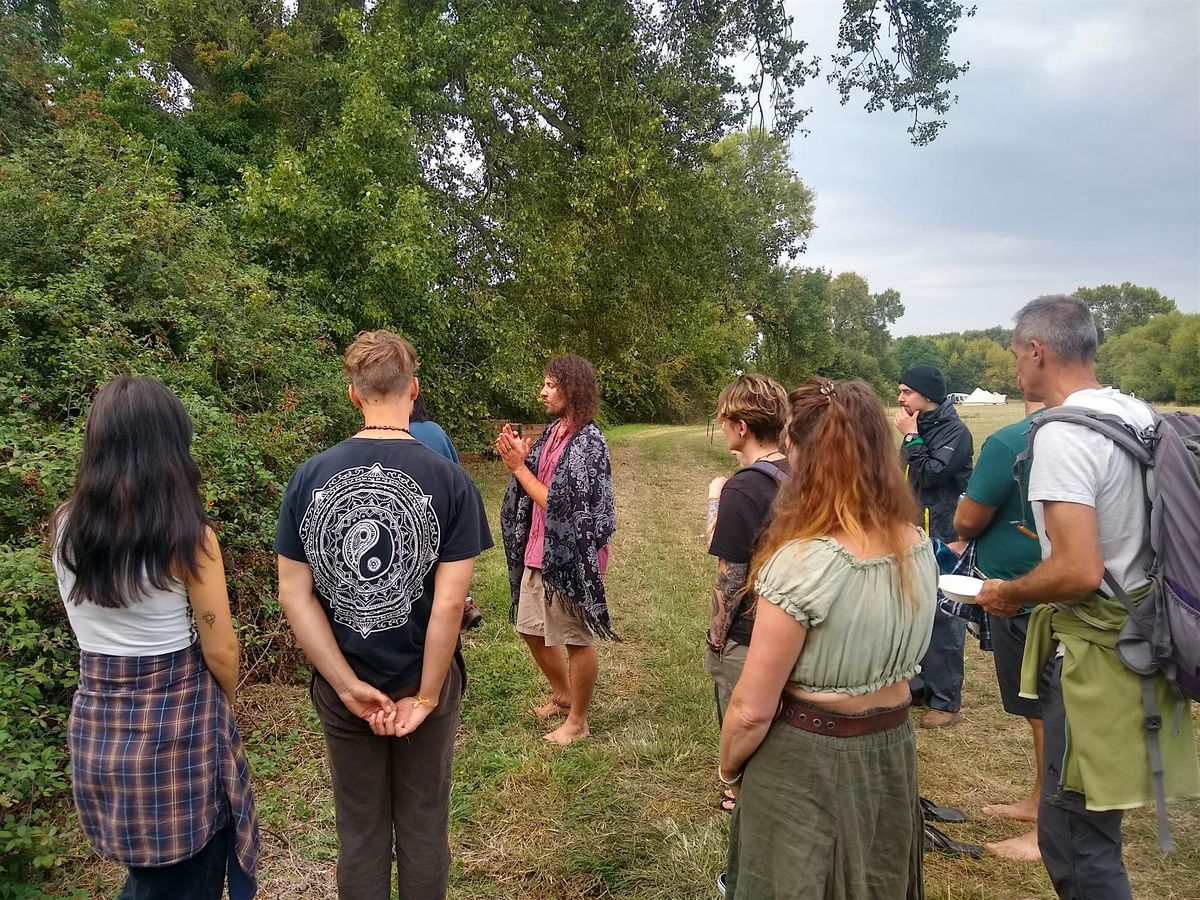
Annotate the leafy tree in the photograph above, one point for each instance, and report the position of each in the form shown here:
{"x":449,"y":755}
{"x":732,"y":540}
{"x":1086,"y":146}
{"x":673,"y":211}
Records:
{"x":1182,"y":366}
{"x":999,"y":369}
{"x":912,"y":350}
{"x":24,"y":108}
{"x":1119,"y":308}
{"x":914,"y":77}
{"x":859,"y":322}
{"x":110,"y":273}
{"x":1159,"y":361}
{"x":792,"y":321}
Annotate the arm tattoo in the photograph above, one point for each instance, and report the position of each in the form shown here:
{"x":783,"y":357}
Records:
{"x":209,"y":619}
{"x":731,"y":578}
{"x":711,"y":518}
{"x":727,"y":597}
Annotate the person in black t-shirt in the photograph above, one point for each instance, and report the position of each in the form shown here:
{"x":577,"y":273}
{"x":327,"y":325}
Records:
{"x":752,"y":411}
{"x":377,"y":539}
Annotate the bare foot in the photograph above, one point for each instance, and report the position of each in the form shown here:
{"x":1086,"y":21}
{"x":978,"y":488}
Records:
{"x":567,"y":733}
{"x":1023,"y":847}
{"x":1024,"y":811}
{"x":554,"y":707}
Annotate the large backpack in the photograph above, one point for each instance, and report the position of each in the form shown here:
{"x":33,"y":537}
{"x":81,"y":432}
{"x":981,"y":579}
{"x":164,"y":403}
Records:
{"x":1162,"y":633}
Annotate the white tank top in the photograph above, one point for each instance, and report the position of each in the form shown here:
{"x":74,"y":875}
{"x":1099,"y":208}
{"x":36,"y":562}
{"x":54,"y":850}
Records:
{"x":160,"y":622}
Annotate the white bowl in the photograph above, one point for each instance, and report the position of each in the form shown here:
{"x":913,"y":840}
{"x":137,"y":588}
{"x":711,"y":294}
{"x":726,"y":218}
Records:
{"x":962,"y":588}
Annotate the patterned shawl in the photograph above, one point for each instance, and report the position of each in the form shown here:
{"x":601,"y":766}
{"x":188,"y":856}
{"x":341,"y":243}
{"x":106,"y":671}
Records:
{"x":580,"y":520}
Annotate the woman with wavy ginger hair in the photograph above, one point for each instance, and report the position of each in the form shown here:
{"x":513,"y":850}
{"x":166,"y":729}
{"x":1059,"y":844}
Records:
{"x":817,"y":735}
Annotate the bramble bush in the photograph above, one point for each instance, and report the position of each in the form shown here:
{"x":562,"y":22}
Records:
{"x":109,"y":273}
{"x":37,"y":676}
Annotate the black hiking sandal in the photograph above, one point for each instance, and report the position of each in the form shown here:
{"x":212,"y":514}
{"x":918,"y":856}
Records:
{"x":939,"y":841}
{"x":934,"y":813}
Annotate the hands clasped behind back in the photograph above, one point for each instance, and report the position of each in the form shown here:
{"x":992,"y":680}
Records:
{"x":405,"y":717}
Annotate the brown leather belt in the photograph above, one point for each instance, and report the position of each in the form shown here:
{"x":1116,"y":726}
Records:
{"x":808,"y":717}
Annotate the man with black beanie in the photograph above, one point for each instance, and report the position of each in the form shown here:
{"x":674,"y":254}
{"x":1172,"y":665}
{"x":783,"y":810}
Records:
{"x":937,"y":452}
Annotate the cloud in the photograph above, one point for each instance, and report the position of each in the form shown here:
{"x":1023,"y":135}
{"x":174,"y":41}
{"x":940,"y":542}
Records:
{"x":1072,"y":158}
{"x":1063,"y":45}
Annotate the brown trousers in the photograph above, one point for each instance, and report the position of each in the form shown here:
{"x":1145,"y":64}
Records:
{"x":391,"y":793}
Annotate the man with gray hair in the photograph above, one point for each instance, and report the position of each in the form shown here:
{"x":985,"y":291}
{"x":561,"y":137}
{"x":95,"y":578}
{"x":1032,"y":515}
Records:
{"x":1089,"y":504}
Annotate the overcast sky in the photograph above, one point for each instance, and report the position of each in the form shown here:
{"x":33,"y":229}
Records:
{"x":1072,"y":158}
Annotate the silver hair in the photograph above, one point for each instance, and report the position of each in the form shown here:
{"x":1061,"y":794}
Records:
{"x":1064,"y":324}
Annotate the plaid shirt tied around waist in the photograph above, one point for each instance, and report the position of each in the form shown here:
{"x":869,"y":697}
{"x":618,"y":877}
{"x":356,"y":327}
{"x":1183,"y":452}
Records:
{"x":157,"y":764}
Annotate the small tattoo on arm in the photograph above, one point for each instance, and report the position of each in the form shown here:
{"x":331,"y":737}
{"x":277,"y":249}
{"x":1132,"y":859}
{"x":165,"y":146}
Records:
{"x":210,"y":619}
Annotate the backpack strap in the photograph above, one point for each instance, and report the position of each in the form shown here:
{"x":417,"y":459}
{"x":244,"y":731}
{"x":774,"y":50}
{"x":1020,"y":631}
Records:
{"x":768,"y":469}
{"x":1147,"y":669}
{"x":1140,"y":444}
{"x":1153,"y":724}
{"x":1119,"y":592}
{"x":771,"y":471}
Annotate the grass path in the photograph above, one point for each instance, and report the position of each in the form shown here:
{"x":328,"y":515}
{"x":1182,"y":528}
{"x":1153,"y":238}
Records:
{"x":630,"y":812}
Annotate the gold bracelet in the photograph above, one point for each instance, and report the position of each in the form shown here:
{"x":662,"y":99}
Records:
{"x":418,"y":700}
{"x":736,"y":779}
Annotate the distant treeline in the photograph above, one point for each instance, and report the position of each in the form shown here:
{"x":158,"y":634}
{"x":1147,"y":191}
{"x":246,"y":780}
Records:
{"x":1147,"y":347}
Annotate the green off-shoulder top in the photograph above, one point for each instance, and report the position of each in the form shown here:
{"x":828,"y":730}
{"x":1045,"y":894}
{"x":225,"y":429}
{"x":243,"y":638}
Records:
{"x":863,"y":634}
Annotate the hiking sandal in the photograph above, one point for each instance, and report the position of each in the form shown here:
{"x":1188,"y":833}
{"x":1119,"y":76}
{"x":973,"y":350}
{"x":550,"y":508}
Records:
{"x":934,"y":813}
{"x":941,"y":842}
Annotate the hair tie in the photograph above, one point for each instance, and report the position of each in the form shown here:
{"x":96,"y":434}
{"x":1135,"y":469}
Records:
{"x":829,"y":391}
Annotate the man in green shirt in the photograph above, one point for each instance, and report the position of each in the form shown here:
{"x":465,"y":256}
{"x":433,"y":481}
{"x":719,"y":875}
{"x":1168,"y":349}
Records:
{"x":1000,"y":519}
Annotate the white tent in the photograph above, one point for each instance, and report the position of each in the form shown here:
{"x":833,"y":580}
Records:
{"x":979,"y":397}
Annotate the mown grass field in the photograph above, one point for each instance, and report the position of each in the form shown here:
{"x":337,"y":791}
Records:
{"x":632,"y":812}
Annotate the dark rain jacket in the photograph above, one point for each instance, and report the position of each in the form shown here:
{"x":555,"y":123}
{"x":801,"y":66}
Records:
{"x":938,"y":466}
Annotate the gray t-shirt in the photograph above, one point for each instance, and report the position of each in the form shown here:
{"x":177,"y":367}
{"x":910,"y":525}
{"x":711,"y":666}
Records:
{"x":1074,"y":464}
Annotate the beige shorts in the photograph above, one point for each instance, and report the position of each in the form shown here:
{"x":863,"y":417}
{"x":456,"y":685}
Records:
{"x":551,"y":623}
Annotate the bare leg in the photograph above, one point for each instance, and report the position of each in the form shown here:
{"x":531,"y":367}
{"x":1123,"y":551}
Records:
{"x":1024,"y":810}
{"x":585,"y":665}
{"x":553,"y":663}
{"x":1024,"y":846}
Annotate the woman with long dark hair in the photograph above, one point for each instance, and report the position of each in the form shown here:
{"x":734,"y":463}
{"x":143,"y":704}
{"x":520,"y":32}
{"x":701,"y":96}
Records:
{"x":817,"y":733}
{"x":160,"y":778}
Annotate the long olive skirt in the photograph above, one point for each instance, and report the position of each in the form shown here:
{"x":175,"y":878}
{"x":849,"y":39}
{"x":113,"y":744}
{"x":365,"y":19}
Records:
{"x":827,"y":818}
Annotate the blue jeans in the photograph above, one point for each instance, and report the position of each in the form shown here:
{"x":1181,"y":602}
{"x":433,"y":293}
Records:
{"x":201,"y":877}
{"x":941,"y":675}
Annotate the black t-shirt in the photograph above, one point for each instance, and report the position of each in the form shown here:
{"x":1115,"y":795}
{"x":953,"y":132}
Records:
{"x":741,"y":514}
{"x":372,"y":518}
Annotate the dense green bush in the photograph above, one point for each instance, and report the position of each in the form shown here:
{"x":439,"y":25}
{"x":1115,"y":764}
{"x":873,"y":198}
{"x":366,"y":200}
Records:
{"x":37,"y":676}
{"x":1159,"y":361}
{"x":108,"y":272}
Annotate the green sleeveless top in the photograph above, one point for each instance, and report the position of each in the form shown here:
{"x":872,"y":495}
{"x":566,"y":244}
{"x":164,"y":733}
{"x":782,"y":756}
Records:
{"x":863,"y":634}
